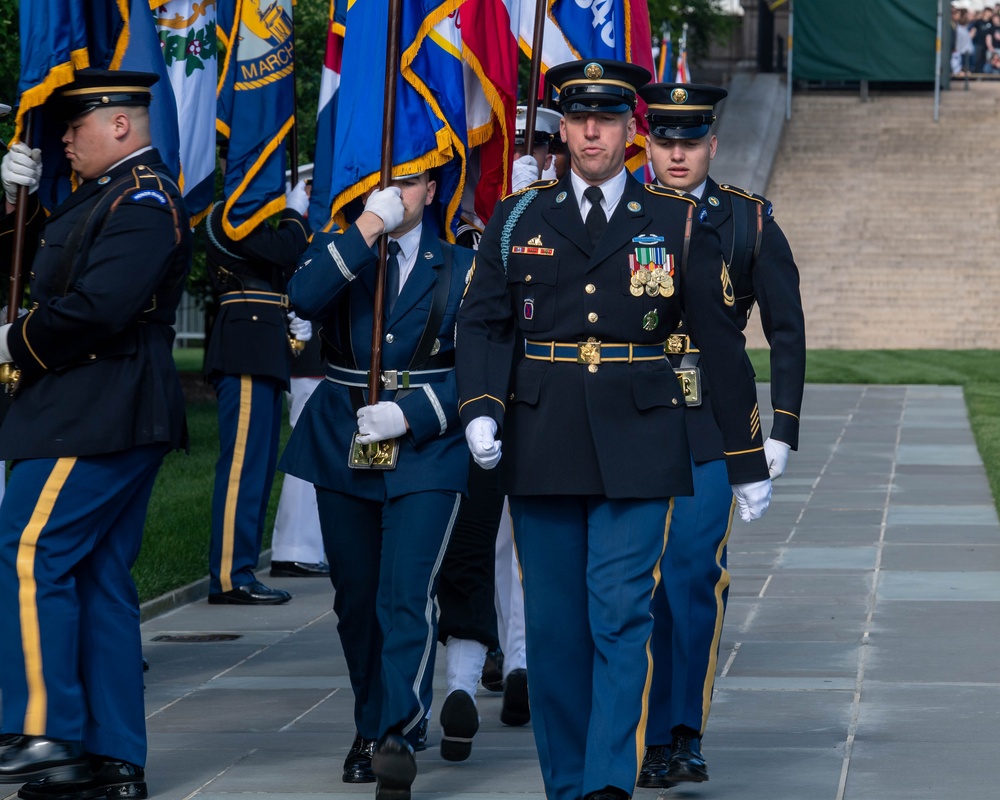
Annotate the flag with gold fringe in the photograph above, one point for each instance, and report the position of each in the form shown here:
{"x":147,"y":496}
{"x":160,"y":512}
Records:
{"x":255,"y":111}
{"x":425,"y":114}
{"x":59,"y":37}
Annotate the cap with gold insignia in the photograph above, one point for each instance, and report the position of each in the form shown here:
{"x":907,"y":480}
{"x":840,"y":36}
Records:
{"x":93,"y":88}
{"x":597,"y":85}
{"x":681,"y":110}
{"x":546,"y":124}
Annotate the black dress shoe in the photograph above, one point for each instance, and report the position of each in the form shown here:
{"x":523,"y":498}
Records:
{"x":459,"y":723}
{"x":686,"y":761}
{"x":608,"y":793}
{"x":358,"y":764}
{"x":299,"y":569}
{"x":653,"y":774}
{"x":421,"y":744}
{"x":514,"y":710}
{"x":492,"y":679}
{"x":36,"y":757}
{"x":110,"y":780}
{"x":254,"y":593}
{"x":395,"y":768}
{"x":10,"y":739}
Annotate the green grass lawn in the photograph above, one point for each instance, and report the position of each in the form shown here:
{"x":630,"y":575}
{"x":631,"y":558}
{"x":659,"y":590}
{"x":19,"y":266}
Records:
{"x":175,"y":543}
{"x":175,"y":548}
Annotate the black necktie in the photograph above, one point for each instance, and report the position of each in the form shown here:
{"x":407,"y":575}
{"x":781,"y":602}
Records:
{"x":392,"y":276}
{"x":596,"y":219}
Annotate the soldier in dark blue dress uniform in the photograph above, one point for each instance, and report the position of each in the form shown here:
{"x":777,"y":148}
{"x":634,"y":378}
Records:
{"x":591,"y":273}
{"x":385,"y":530}
{"x":690,"y":603}
{"x":97,"y":407}
{"x":249,"y":362}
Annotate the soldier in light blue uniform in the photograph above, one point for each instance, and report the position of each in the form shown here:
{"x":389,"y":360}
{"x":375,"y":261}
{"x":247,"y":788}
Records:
{"x":385,"y":530}
{"x":690,"y":603}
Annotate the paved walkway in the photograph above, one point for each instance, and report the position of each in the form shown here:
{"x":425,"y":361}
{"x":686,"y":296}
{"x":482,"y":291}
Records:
{"x":859,"y":658}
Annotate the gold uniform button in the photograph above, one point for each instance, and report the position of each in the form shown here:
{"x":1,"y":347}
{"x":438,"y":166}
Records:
{"x":511,"y":395}
{"x":254,"y":317}
{"x":390,"y":338}
{"x":674,"y":400}
{"x":527,"y":279}
{"x":592,"y":316}
{"x":590,"y":288}
{"x":592,"y":368}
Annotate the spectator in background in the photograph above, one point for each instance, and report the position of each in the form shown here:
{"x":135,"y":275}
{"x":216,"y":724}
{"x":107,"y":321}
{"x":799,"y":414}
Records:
{"x":981,"y":39}
{"x":964,"y":48}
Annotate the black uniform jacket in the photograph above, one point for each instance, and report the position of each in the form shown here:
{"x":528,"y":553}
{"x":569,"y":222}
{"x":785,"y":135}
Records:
{"x":250,"y":332}
{"x":98,"y":374}
{"x":613,"y":429}
{"x":762,"y":270}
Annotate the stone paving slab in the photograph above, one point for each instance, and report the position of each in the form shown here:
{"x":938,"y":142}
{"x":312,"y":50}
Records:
{"x":858,"y":655}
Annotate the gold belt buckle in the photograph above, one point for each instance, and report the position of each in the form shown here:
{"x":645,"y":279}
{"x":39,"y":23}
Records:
{"x":676,"y":344}
{"x":588,"y":352}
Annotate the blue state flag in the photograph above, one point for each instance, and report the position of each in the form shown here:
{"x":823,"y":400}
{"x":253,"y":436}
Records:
{"x":432,"y":64}
{"x":59,"y":37}
{"x":423,"y":138}
{"x":256,"y":108}
{"x":592,"y":28}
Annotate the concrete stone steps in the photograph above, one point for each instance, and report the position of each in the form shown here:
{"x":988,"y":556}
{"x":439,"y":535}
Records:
{"x":893,"y":218}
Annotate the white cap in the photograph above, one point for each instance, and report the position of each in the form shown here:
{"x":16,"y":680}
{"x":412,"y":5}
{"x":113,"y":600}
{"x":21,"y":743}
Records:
{"x":546,"y":123}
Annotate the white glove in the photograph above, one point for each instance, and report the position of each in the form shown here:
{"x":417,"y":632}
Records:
{"x":22,"y":166}
{"x":483,"y":444}
{"x":297,"y":198}
{"x":776,"y":453}
{"x":524,"y":172}
{"x":301,"y":329}
{"x":752,"y":499}
{"x":387,"y":205}
{"x":379,"y":422}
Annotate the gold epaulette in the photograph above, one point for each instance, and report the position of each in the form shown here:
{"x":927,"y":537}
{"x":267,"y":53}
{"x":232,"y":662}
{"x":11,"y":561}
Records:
{"x":663,"y":191}
{"x":546,"y":184}
{"x":742,"y":193}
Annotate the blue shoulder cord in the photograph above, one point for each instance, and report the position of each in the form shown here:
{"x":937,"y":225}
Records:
{"x":508,"y":227}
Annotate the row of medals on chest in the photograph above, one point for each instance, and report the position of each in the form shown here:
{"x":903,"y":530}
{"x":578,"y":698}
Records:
{"x":653,"y":282}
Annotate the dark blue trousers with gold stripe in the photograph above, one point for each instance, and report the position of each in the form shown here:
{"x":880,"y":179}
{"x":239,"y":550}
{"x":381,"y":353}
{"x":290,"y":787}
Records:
{"x":589,"y":566}
{"x":249,"y":432}
{"x":689,"y":605}
{"x":385,"y":560}
{"x":71,"y":658}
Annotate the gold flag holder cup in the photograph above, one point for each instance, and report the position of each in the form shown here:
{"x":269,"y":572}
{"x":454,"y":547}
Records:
{"x":376,"y":455}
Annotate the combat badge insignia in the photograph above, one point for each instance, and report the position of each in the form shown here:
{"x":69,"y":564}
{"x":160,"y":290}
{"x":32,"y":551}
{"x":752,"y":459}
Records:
{"x":648,"y":239}
{"x":713,"y":201}
{"x":560,"y":197}
{"x":652,"y":270}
